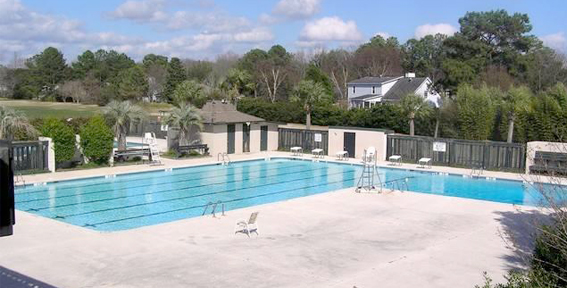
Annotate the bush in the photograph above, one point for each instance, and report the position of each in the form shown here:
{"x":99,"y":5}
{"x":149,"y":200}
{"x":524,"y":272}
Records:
{"x":97,"y":140}
{"x":63,"y":138}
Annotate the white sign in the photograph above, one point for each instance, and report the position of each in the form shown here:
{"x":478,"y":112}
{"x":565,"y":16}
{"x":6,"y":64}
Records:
{"x":164,"y":127}
{"x":439,"y":147}
{"x":318,"y":137}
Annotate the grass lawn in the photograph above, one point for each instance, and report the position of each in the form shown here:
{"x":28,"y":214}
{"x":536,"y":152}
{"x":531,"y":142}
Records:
{"x":38,"y":109}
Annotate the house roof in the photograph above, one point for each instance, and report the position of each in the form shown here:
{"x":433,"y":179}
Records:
{"x":217,"y":112}
{"x":373,"y":80}
{"x":403,"y":87}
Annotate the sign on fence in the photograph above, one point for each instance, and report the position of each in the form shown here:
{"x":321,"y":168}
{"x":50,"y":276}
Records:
{"x":439,"y":147}
{"x":318,"y":137}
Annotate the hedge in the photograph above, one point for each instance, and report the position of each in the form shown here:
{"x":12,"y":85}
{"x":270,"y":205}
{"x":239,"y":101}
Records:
{"x":97,"y":140}
{"x":63,"y":138}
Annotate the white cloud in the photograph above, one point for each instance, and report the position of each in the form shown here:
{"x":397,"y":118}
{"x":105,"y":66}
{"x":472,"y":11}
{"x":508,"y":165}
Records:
{"x":140,"y":11}
{"x":384,"y":35}
{"x":433,"y":29}
{"x":330,"y":29}
{"x":255,"y":35}
{"x":297,"y":9}
{"x":268,"y":19}
{"x":556,"y":41}
{"x":212,"y":22}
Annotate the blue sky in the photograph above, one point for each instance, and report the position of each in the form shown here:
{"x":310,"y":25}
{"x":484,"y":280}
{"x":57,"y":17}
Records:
{"x":203,"y":29}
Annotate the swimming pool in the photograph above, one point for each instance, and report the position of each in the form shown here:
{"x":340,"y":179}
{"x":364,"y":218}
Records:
{"x":140,"y":199}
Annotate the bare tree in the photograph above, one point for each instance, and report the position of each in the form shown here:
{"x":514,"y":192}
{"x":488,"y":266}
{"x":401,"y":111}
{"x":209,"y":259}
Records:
{"x":272,"y":76}
{"x":157,"y":76}
{"x":73,"y":89}
{"x":338,"y":64}
{"x":376,"y":61}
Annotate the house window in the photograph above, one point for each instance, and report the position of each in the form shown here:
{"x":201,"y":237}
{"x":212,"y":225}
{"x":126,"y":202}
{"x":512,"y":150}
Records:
{"x":354,"y":89}
{"x":373,"y":90}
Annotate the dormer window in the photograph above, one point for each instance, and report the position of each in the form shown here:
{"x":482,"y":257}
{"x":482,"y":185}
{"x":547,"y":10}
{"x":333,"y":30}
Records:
{"x":373,"y":90}
{"x":353,"y":89}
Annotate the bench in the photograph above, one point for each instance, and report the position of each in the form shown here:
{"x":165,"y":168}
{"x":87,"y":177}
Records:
{"x":123,"y":155}
{"x":203,"y":149}
{"x":296,"y":151}
{"x":424,"y":163}
{"x":342,"y":155}
{"x":551,"y":163}
{"x":395,"y":160}
{"x":317,"y":153}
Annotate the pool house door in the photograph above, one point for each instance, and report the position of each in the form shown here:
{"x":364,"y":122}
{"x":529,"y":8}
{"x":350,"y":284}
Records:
{"x":350,"y":143}
{"x":263,"y":138}
{"x":231,"y":129}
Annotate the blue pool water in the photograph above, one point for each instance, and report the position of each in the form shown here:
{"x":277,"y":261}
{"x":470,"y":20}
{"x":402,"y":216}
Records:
{"x":130,"y":145}
{"x":141,"y":199}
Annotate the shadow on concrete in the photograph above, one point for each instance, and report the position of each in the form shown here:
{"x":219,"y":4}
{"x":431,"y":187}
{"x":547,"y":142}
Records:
{"x":13,"y":279}
{"x":519,"y":230}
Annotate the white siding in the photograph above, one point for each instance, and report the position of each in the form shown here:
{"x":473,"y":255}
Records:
{"x":363,"y":89}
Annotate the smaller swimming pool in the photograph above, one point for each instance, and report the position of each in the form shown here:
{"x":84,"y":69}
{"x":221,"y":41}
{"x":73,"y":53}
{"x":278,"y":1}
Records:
{"x":130,"y":145}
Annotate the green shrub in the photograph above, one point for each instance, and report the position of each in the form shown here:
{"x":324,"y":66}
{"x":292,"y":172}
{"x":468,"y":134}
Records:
{"x":63,"y":138}
{"x":97,"y":140}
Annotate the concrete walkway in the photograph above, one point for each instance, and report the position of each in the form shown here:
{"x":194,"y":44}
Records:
{"x":335,"y":239}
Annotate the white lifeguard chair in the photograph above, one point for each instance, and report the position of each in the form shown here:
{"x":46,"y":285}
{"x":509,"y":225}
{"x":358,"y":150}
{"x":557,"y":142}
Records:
{"x":367,"y":181}
{"x":150,"y":140}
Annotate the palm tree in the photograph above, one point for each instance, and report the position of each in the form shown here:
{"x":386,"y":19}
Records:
{"x":308,"y":93}
{"x":184,"y":117}
{"x":516,"y":101}
{"x":122,"y":114}
{"x":414,"y":106}
{"x":12,"y":121}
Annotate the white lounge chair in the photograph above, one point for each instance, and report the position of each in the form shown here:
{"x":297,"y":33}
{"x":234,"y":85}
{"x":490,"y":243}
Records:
{"x":342,"y":155}
{"x":296,"y":151}
{"x":424,"y":163}
{"x":317,"y":153}
{"x":395,"y":160}
{"x":247,"y":227}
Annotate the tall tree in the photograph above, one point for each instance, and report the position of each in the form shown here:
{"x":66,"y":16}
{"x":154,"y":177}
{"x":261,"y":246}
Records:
{"x":316,"y":75}
{"x":175,"y":75}
{"x":133,"y":84}
{"x":73,"y":89}
{"x":48,"y":68}
{"x":378,"y":57}
{"x":273,"y":70}
{"x":425,"y":56}
{"x":338,"y":64}
{"x":309,"y":93}
{"x":85,"y":63}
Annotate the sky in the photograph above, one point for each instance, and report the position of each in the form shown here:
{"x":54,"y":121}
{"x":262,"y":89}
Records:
{"x":204,"y":29}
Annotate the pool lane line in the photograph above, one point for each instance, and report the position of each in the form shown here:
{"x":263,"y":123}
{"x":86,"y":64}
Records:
{"x":133,"y":180}
{"x":146,"y":193}
{"x":167,"y":182}
{"x":188,"y":197}
{"x":201,"y":206}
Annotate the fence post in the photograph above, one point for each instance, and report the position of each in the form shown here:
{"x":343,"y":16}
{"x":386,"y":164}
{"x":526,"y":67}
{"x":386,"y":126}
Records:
{"x":50,"y":153}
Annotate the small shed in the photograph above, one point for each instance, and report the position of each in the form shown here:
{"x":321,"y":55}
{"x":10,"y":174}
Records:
{"x":227,"y":130}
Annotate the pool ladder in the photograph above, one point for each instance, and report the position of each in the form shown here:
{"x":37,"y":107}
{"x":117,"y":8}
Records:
{"x":214,"y":206}
{"x":400,"y":184}
{"x":224,"y":158}
{"x":477,"y":170}
{"x":18,"y":178}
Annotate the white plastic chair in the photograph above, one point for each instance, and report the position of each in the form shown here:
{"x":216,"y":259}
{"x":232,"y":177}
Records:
{"x":247,"y":227}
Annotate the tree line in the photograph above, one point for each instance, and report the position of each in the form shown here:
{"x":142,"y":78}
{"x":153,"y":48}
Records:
{"x":490,"y":59}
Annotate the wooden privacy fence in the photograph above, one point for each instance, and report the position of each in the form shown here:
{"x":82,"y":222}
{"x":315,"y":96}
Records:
{"x":288,"y":138}
{"x":489,"y":155}
{"x":30,"y":156}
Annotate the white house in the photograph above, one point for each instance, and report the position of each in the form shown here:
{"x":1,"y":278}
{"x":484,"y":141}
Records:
{"x":369,"y":91}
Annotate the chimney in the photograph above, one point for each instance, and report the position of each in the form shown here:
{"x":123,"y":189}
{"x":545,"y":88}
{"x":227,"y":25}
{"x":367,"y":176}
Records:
{"x":410,"y":75}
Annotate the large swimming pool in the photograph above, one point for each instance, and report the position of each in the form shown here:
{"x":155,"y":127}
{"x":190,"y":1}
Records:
{"x":140,"y":199}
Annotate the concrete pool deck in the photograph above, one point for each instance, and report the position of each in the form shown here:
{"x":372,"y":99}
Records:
{"x":335,"y":239}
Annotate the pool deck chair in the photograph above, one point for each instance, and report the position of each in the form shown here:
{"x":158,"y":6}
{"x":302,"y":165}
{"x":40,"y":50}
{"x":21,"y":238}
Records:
{"x":424,"y":163}
{"x":296,"y":151}
{"x":342,"y":155}
{"x":247,"y":227}
{"x":317,"y":153}
{"x":395,"y":160}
